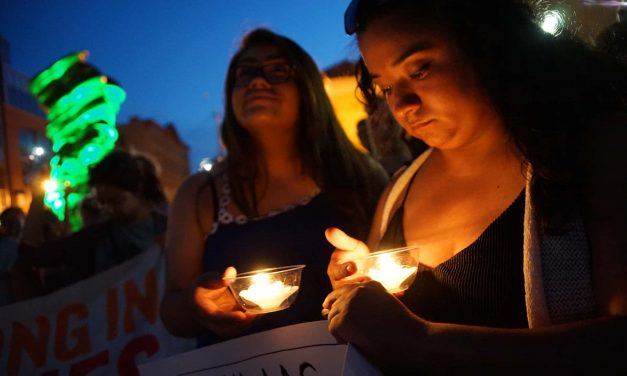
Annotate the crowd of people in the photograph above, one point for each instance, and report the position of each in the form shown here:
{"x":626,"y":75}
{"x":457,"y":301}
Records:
{"x":123,"y":215}
{"x":504,"y":161}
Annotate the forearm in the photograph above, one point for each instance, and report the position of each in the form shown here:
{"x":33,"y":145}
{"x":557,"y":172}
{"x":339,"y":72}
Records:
{"x":595,"y":345}
{"x":177,"y":314}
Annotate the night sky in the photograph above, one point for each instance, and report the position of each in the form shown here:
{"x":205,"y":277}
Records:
{"x":169,"y":56}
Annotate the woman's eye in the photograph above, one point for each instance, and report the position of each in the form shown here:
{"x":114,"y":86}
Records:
{"x":421,"y":73}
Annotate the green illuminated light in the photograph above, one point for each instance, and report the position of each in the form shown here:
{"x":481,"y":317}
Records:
{"x":81,"y":126}
{"x":55,"y":71}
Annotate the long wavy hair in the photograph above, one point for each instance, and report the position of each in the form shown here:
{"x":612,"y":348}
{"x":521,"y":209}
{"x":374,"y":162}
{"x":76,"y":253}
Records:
{"x":326,"y":154}
{"x":548,"y":89}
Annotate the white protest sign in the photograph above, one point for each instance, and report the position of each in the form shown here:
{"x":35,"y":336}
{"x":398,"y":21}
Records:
{"x":104,"y":325}
{"x":298,"y":350}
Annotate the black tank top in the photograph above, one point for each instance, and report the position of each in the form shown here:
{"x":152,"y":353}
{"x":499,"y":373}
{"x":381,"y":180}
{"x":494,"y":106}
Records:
{"x":481,"y":285}
{"x":295,"y":236}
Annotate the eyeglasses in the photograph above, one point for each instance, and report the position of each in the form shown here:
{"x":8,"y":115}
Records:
{"x":355,"y":12}
{"x":273,"y":73}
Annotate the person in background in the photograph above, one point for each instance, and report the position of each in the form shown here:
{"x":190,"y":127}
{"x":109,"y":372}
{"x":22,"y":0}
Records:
{"x":11,"y":225}
{"x":386,"y":141}
{"x":128,"y":195}
{"x":613,"y":39}
{"x":518,"y":207}
{"x":290,"y":172}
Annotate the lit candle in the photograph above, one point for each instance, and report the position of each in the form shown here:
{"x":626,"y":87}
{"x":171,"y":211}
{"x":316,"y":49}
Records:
{"x":266,"y":294}
{"x":390,"y":273}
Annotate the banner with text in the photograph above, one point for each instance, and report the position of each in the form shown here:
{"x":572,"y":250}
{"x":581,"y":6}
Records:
{"x":105,"y":325}
{"x":297,"y":350}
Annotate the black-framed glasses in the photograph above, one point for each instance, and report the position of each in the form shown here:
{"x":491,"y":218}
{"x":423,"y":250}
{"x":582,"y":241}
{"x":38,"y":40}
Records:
{"x":355,"y":12}
{"x":273,"y":73}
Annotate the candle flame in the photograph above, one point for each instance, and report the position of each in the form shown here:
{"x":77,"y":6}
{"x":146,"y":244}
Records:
{"x":390,"y":273}
{"x":267,"y":294}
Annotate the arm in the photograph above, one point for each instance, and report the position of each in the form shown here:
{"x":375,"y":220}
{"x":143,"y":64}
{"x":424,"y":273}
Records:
{"x":399,"y":342}
{"x":195,"y":302}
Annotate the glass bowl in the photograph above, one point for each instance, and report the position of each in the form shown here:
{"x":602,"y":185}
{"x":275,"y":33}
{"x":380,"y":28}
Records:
{"x":267,"y":290}
{"x":394,"y":268}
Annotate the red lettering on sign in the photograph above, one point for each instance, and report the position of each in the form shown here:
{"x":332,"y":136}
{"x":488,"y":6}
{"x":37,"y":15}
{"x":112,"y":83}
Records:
{"x":62,"y":351}
{"x":126,"y":362}
{"x":112,"y":313}
{"x":147,"y":304}
{"x":23,"y":340}
{"x":85,"y":366}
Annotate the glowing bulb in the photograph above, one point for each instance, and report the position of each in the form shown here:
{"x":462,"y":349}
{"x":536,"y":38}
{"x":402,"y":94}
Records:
{"x":206,"y":164}
{"x":49,"y":185}
{"x":38,"y":151}
{"x":552,"y":22}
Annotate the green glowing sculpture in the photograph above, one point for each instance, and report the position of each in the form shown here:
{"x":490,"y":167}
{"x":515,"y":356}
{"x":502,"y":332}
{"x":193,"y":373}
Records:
{"x":81,"y":105}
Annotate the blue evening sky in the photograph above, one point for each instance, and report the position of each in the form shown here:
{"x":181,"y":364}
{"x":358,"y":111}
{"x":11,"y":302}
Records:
{"x":169,"y":56}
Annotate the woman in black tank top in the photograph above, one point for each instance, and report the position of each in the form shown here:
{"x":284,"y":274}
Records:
{"x":518,"y":208}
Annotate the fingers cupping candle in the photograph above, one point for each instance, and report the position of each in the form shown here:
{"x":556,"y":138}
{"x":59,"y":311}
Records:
{"x":395,"y":269}
{"x":267,"y":290}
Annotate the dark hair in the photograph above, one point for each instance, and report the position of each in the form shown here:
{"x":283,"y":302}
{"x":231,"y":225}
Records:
{"x":326,"y":153}
{"x":132,"y":173}
{"x":11,"y":221}
{"x":548,"y":89}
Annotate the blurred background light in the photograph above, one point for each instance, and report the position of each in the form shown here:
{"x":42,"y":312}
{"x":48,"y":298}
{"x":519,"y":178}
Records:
{"x":553,"y":22}
{"x":206,"y":164}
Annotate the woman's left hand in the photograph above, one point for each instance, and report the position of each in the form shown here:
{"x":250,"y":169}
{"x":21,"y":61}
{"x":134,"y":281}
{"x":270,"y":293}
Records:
{"x":363,"y":313}
{"x":378,"y":324}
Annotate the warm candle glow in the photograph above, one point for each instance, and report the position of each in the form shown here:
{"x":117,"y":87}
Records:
{"x":390,"y":273}
{"x":265,"y":293}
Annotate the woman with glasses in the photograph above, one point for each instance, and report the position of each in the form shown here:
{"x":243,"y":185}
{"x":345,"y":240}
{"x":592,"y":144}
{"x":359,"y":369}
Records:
{"x":289,"y":174}
{"x":518,"y":207}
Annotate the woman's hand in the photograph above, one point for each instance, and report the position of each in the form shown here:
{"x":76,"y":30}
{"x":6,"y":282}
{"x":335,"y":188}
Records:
{"x":344,"y":266}
{"x":214,"y":305}
{"x":376,"y":322}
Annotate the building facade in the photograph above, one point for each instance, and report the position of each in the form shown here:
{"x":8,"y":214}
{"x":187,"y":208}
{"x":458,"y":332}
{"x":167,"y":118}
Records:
{"x":22,"y":129}
{"x":162,"y":145}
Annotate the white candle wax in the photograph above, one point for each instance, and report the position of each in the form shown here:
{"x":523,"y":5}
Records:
{"x":266,"y":294}
{"x":390,"y":273}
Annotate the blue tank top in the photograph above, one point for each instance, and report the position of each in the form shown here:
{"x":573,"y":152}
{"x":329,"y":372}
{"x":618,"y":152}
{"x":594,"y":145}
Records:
{"x":294,"y":236}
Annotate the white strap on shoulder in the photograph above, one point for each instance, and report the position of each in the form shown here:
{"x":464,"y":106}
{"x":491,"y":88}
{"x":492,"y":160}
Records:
{"x":399,"y":187}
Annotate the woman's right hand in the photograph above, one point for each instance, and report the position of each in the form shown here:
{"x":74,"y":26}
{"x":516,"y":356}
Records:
{"x":344,"y":266}
{"x":214,"y":305}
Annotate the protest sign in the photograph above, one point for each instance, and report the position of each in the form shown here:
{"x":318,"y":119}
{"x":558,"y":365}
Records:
{"x":104,"y":325}
{"x":298,"y":350}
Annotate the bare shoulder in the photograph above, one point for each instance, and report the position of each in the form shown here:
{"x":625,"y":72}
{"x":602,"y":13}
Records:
{"x":195,"y":199}
{"x":196,"y":188}
{"x":192,"y":184}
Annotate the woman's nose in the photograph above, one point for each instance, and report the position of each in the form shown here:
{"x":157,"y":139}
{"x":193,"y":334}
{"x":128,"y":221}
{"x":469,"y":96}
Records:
{"x":402,"y":99}
{"x":258,"y":81}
